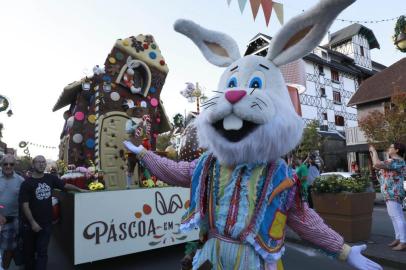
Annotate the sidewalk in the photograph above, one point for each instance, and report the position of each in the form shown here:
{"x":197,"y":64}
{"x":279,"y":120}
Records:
{"x":377,"y":249}
{"x":379,"y":199}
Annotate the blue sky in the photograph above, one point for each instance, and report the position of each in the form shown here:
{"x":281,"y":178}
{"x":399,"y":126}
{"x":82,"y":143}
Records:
{"x":48,"y":44}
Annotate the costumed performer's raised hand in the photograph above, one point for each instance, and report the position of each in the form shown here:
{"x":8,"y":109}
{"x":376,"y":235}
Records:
{"x":359,"y":261}
{"x":131,"y":147}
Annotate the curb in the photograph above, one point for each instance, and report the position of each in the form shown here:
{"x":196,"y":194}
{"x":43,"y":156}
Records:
{"x":383,"y":261}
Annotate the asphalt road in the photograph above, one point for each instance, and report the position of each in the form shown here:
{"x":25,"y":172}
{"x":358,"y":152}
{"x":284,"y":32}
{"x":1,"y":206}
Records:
{"x":297,"y":257}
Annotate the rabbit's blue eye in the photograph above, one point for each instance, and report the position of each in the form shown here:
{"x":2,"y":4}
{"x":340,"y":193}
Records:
{"x":256,"y":82}
{"x":232,"y":83}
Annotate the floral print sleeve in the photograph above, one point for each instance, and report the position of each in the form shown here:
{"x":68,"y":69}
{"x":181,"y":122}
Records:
{"x":397,"y":165}
{"x":391,"y":179}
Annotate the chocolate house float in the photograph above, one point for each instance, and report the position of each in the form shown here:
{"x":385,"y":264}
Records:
{"x":133,"y":75}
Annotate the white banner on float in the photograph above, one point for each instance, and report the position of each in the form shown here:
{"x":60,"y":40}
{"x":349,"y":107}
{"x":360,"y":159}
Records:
{"x":114,"y":223}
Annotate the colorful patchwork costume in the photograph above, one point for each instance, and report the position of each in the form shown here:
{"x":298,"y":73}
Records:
{"x":242,"y":193}
{"x":232,"y":206}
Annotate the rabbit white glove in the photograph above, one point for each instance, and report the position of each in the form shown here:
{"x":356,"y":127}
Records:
{"x":359,"y":261}
{"x":134,"y":149}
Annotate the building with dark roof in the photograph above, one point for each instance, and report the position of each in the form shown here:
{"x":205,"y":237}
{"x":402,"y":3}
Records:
{"x":334,"y":72}
{"x":373,"y":94}
{"x":381,"y":86}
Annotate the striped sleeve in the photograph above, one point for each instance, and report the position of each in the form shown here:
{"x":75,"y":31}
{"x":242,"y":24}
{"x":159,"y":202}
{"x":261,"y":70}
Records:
{"x":311,"y":227}
{"x":169,"y":171}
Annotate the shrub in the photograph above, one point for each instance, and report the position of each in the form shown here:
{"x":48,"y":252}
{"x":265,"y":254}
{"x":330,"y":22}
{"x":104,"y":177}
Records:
{"x":337,"y":184}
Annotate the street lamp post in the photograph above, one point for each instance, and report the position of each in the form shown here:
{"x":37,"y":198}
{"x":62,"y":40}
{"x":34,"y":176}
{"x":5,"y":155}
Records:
{"x":401,"y":41}
{"x":197,"y":93}
{"x":400,"y":34}
{"x":192,"y":93}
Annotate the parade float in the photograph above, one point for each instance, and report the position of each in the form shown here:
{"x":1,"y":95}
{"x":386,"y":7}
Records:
{"x":126,"y":210}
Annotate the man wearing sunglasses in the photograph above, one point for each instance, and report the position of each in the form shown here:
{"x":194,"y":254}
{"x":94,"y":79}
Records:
{"x":10,"y":183}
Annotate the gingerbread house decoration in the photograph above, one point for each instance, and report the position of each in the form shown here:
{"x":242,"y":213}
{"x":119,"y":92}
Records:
{"x":134,"y":73}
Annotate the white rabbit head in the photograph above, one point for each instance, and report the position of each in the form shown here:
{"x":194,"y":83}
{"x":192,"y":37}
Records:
{"x":252,"y":118}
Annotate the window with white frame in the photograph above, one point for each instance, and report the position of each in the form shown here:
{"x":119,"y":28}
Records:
{"x":336,"y":97}
{"x":339,"y":120}
{"x":334,"y":75}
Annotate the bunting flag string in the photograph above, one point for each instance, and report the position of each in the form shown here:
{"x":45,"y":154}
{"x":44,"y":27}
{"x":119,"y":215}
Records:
{"x":353,"y":21}
{"x":370,"y":21}
{"x":267,"y":6}
{"x":23,"y":144}
{"x":41,"y":145}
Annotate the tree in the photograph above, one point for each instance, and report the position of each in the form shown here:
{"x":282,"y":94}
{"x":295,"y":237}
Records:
{"x":164,"y":140}
{"x":24,"y":163}
{"x":178,"y":120}
{"x":383,"y":128}
{"x":311,"y":140}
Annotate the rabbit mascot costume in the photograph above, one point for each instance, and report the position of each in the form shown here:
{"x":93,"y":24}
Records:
{"x":242,"y":192}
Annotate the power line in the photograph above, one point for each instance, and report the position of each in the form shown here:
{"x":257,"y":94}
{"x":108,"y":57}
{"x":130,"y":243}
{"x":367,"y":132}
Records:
{"x":353,"y":21}
{"x":369,"y":21}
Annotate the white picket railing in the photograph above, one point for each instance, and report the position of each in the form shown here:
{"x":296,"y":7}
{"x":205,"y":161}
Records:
{"x":354,"y":136}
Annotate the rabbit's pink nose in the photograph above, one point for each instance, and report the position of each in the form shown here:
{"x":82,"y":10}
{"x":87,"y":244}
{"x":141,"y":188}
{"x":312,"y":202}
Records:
{"x":234,"y":96}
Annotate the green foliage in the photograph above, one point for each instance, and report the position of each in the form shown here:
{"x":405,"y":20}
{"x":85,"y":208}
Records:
{"x":381,"y":129}
{"x":23,"y":164}
{"x":61,"y":167}
{"x":163,"y":141}
{"x":337,"y":184}
{"x":311,"y":140}
{"x":178,"y":120}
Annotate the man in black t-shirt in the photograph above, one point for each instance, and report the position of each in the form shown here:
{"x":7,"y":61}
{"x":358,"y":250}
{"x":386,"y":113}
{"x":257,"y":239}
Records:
{"x":36,"y":208}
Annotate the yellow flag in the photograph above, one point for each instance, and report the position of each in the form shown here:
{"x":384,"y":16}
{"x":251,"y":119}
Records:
{"x":278,"y":7}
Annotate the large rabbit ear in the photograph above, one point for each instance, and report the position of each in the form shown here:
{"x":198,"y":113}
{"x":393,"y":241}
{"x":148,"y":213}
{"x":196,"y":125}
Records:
{"x":304,"y":32}
{"x":218,"y":48}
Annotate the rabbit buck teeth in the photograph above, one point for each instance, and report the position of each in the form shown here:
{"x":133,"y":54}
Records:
{"x":232,"y":122}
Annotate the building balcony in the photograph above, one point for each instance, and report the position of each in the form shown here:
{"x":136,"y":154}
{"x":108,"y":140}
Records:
{"x":354,"y":136}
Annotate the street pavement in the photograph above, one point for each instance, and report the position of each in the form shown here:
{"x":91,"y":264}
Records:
{"x":298,"y":255}
{"x":382,"y":233}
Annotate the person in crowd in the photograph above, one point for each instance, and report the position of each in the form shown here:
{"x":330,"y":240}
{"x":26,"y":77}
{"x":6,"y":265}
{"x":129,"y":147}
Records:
{"x":36,"y":207}
{"x":302,"y":173}
{"x":54,"y":171}
{"x":354,"y":167}
{"x":313,"y":172}
{"x":391,"y":177}
{"x":28,"y":174}
{"x":10,"y":183}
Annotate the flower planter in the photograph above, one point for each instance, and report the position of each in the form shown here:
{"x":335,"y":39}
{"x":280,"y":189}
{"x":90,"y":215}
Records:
{"x":350,"y":214}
